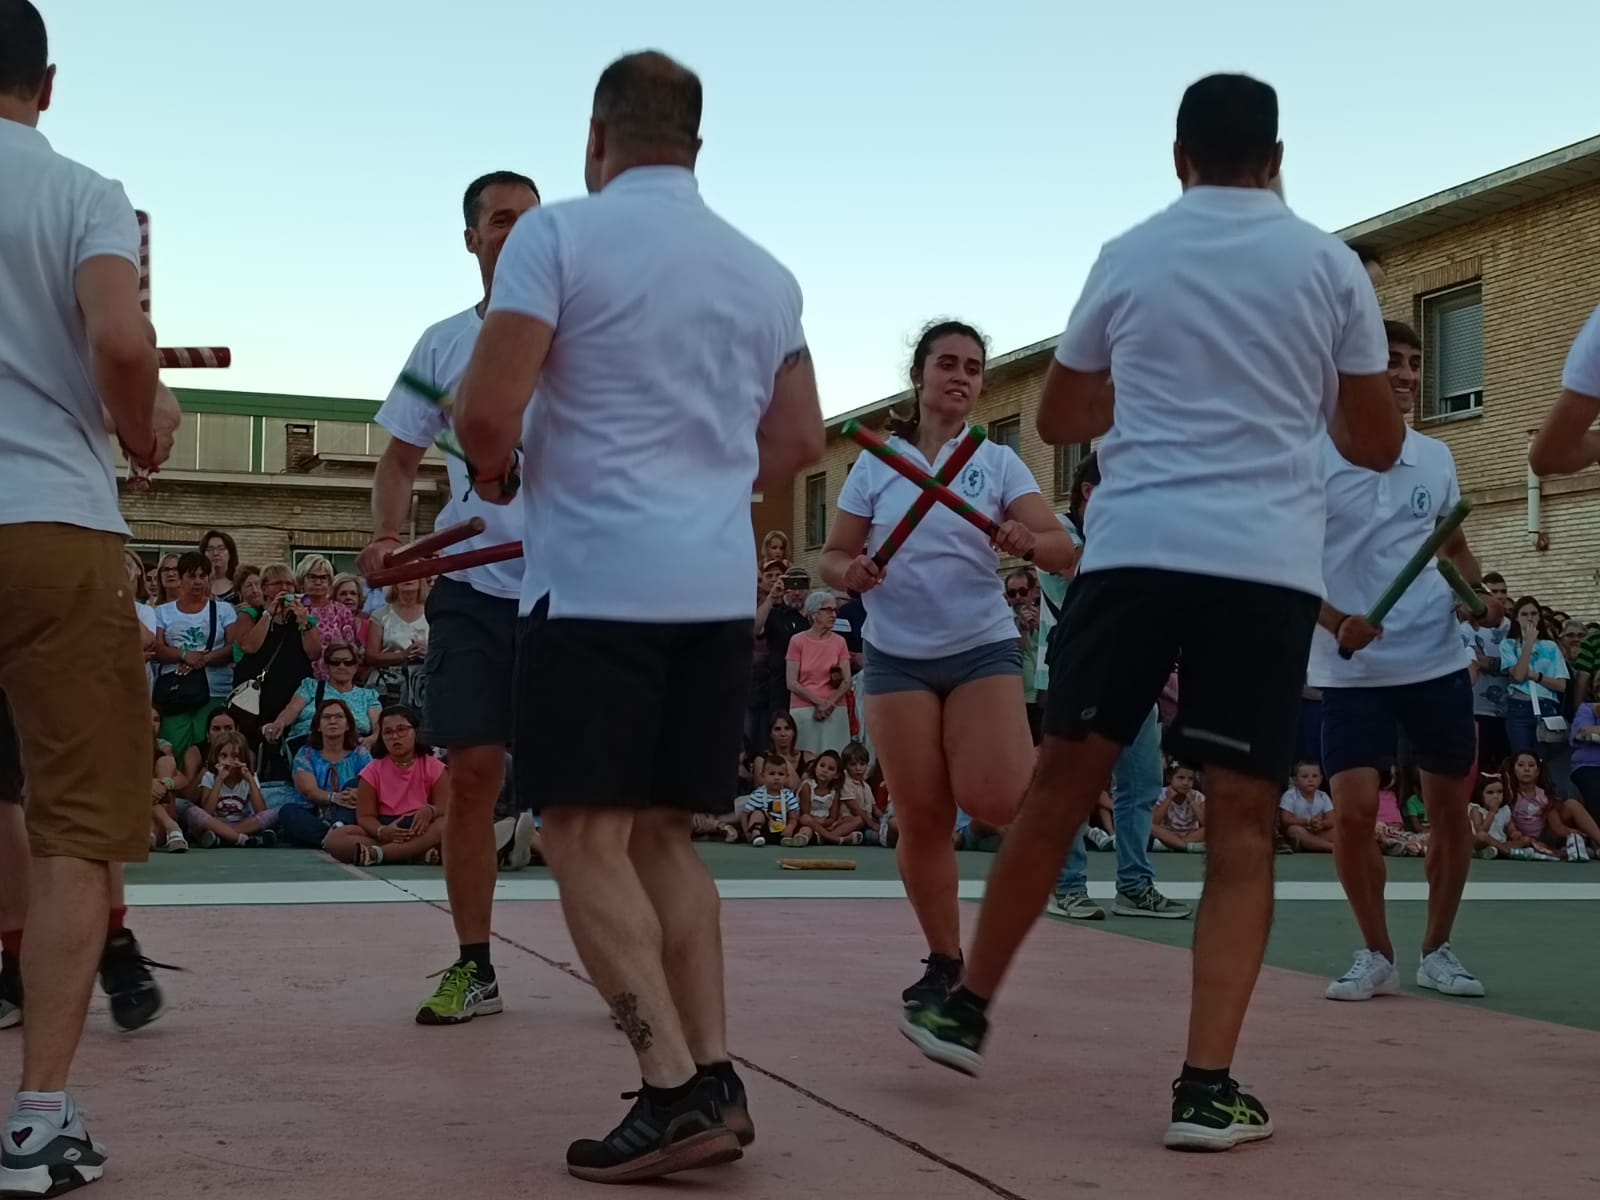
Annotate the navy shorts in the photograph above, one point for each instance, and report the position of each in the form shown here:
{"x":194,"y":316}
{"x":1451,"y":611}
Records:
{"x":886,"y":673}
{"x":1362,"y":726}
{"x":472,"y":640}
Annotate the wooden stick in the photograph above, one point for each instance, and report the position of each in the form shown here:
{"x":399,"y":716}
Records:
{"x":923,"y":505}
{"x":434,"y":542}
{"x":817,"y":864}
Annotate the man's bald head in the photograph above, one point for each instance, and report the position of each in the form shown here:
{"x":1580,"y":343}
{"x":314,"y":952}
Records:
{"x":646,"y":113}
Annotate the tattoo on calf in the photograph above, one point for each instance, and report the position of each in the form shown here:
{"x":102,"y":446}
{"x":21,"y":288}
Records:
{"x":625,"y":1008}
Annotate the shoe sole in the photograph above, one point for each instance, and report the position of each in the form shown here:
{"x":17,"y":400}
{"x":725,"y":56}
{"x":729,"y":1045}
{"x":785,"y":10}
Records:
{"x":957,"y":1058}
{"x":1097,"y":914}
{"x":712,"y":1148}
{"x":1391,"y":989}
{"x":39,"y":1181}
{"x":1181,"y":914}
{"x":484,"y":1008}
{"x":1203,"y":1139}
{"x":10,"y":1017}
{"x":139,"y":1020}
{"x":1434,"y":987}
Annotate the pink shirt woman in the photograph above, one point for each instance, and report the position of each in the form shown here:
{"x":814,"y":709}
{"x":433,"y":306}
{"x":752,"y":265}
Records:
{"x":818,"y":671}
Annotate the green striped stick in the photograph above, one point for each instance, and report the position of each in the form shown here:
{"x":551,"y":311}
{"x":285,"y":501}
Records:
{"x":1470,"y":599}
{"x":959,"y":457}
{"x":1414,"y":567}
{"x":446,"y":441}
{"x":876,"y":446}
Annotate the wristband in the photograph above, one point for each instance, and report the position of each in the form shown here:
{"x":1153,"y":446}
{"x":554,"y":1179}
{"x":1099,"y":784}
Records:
{"x":1337,"y":629}
{"x":508,"y":476}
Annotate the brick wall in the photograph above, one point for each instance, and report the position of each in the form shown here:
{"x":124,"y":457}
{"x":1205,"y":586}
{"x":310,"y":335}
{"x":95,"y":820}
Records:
{"x":1539,"y":265}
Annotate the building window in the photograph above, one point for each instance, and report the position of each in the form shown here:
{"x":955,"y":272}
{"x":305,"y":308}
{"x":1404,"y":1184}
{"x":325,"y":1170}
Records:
{"x":1007,"y":432}
{"x":1452,"y":353}
{"x":1067,"y":460}
{"x":816,"y":510}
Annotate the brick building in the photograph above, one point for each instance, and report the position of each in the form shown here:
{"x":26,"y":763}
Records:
{"x":1497,"y":275}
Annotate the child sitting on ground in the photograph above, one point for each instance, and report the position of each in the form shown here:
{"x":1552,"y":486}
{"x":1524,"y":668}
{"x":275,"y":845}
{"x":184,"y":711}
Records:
{"x":231,"y":809}
{"x":855,"y":793}
{"x":1393,"y":834}
{"x":1306,"y":811}
{"x":1562,"y":829}
{"x":1491,"y":820}
{"x":1179,"y":821}
{"x":772,"y":810}
{"x":822,"y":815}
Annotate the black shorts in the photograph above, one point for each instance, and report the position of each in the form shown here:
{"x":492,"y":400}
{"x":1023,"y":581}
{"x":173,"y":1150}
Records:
{"x":10,"y":757}
{"x":625,"y":714}
{"x":472,"y":640}
{"x":1361,"y":726}
{"x":1240,"y":648}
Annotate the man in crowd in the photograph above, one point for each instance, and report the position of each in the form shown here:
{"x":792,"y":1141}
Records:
{"x":471,"y":613}
{"x":75,"y":350}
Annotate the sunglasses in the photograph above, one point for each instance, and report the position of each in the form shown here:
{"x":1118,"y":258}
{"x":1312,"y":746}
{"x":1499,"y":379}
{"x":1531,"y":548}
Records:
{"x":341,"y":662}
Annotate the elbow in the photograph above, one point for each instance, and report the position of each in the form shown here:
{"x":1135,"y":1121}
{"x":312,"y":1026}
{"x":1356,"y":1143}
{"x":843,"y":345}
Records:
{"x":1377,"y":454}
{"x":1544,"y":460}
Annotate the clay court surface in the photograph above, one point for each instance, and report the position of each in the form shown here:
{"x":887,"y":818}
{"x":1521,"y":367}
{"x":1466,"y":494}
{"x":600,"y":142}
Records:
{"x":288,"y":1064}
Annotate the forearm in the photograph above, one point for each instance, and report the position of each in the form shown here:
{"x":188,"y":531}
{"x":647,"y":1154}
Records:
{"x":126,"y":378}
{"x":832,"y":567}
{"x":1054,"y":551}
{"x":1330,"y":618}
{"x":168,"y":654}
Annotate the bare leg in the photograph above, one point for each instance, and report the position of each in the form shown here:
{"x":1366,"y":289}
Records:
{"x":906,"y":727}
{"x":618,"y":934}
{"x":1065,"y":788}
{"x":685,"y":900}
{"x":341,"y":843}
{"x":1449,"y":855}
{"x":15,"y":859}
{"x":1235,"y":915}
{"x":412,"y":849}
{"x":476,"y":775}
{"x":1308,"y":842}
{"x":1357,"y":857}
{"x":67,"y":907}
{"x":1169,"y":839}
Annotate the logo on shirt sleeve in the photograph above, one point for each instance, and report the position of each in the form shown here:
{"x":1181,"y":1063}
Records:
{"x":1421,"y":502}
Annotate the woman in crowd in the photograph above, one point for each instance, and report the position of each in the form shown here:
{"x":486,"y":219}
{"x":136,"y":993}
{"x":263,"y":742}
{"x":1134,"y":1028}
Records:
{"x":1537,"y":678}
{"x":400,"y":801}
{"x":222,"y":552}
{"x":278,"y":640}
{"x":247,"y":584}
{"x":818,"y":667}
{"x":397,"y":643}
{"x":775,"y":548}
{"x":782,"y":739}
{"x":325,"y":773}
{"x":138,"y":576}
{"x":351,"y":591}
{"x":194,"y":635}
{"x":943,"y":663}
{"x":164,"y":589}
{"x":293,"y":724}
{"x":336,"y":621}
{"x":164,"y":784}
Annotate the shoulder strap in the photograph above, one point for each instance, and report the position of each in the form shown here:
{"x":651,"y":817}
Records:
{"x":211,"y":634}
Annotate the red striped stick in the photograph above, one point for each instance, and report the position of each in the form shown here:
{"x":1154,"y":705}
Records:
{"x":422,"y":568}
{"x":434,"y":542}
{"x":144,"y":261}
{"x":173,"y":356}
{"x":923,"y":505}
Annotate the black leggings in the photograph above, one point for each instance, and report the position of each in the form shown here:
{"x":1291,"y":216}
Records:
{"x":1587,"y":782}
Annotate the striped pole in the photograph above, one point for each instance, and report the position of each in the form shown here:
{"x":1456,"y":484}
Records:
{"x":170,"y":357}
{"x":924,"y":503}
{"x":422,"y":568}
{"x":1414,"y":566}
{"x":144,"y":261}
{"x":876,"y":446}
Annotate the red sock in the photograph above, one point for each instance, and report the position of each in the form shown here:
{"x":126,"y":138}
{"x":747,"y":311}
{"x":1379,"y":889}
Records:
{"x":11,"y":940}
{"x":117,"y":916}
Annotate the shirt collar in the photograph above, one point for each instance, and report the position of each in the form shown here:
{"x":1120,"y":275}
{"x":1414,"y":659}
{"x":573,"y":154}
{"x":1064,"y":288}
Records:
{"x":676,"y":181}
{"x":20,"y":134}
{"x":1409,"y":447}
{"x":1232,"y":199}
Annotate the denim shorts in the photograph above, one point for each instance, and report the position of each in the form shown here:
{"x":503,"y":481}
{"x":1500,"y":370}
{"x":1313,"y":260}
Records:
{"x":887,"y":673}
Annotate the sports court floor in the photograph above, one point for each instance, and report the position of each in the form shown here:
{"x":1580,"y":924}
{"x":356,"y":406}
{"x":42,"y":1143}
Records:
{"x":288,"y":1057}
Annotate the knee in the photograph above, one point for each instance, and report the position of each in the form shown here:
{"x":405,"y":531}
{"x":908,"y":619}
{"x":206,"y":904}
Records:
{"x":476,"y":777}
{"x":1355,"y":820}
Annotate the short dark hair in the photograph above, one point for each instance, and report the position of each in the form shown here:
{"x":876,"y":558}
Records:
{"x":24,"y":49}
{"x":352,"y":738}
{"x":1087,"y":473}
{"x":191,"y":561}
{"x":1493,"y":577}
{"x":1401,"y":334}
{"x":648,"y":99}
{"x":228,"y":543}
{"x":476,"y":189}
{"x":1228,"y":125}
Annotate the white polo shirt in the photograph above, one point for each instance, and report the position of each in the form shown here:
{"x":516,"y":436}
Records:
{"x":1225,"y":322}
{"x":1376,"y":521}
{"x":441,"y":356}
{"x":1582,"y":372}
{"x":55,"y":215}
{"x":941,"y":593}
{"x":670,"y":326}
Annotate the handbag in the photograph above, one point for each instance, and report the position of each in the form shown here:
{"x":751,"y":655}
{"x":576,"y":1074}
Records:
{"x":176,"y":693}
{"x":1552,"y":726}
{"x":247,"y":696}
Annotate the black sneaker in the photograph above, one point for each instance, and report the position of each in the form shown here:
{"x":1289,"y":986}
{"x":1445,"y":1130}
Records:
{"x":1214,"y":1117}
{"x":41,"y":1158}
{"x":655,"y":1141}
{"x":937,"y":982}
{"x":735,"y":1104}
{"x":949,"y":1032}
{"x":10,"y":990}
{"x":125,"y":975}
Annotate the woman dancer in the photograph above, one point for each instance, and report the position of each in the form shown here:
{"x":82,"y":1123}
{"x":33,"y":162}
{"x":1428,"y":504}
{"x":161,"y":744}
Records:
{"x":943,"y":654}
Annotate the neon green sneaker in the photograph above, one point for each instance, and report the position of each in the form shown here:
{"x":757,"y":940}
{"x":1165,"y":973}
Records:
{"x":462,"y":994}
{"x":1215,"y":1117}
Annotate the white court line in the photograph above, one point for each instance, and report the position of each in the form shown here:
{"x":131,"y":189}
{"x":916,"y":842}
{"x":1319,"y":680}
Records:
{"x":378,"y":891}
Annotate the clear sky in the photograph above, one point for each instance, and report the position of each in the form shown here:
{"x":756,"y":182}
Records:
{"x":304,"y":159}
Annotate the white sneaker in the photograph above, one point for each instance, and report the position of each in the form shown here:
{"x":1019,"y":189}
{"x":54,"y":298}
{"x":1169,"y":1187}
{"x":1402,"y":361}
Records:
{"x":1098,"y":838}
{"x":1371,"y":974}
{"x":521,"y":852}
{"x":1577,"y":848}
{"x":1442,"y":971}
{"x":42,"y":1158}
{"x":1489,"y":852}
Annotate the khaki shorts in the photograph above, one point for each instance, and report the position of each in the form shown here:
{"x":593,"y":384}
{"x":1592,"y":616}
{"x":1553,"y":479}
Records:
{"x":73,"y":676}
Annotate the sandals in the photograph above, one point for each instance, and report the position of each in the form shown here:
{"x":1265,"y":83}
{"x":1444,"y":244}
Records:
{"x":432,"y":858}
{"x":369,"y":856}
{"x":176,"y":843}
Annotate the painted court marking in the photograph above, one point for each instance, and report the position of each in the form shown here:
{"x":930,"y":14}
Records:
{"x":380,"y":890}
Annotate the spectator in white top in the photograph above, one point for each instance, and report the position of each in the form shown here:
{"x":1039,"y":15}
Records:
{"x":672,"y":375}
{"x":1236,"y":336}
{"x":1567,"y":442}
{"x":471,"y":615}
{"x":75,"y":350}
{"x":1412,"y":674}
{"x":942,"y":658}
